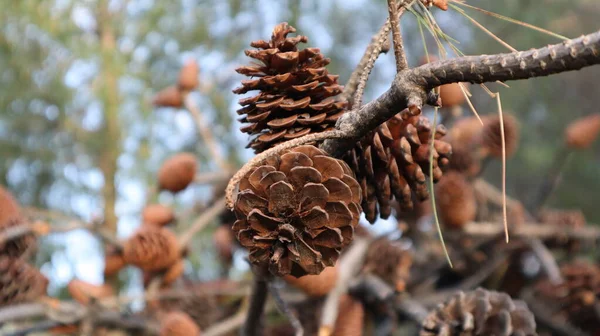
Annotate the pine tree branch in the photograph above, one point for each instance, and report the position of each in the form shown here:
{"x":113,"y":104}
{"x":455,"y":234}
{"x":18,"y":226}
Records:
{"x":413,"y":88}
{"x":258,"y":299}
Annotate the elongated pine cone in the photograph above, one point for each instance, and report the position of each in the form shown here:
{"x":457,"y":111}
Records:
{"x":315,"y":285}
{"x":456,"y":200}
{"x":582,"y":133}
{"x":20,"y":282}
{"x":480,"y":313}
{"x":389,"y":261}
{"x":491,"y":135}
{"x":177,"y":172}
{"x":178,"y":324}
{"x":157,"y":214}
{"x":152,"y":249}
{"x":83,"y":292}
{"x":296,"y":211}
{"x":577,"y":298}
{"x":297,"y":94}
{"x":10,"y":216}
{"x":393,"y":162}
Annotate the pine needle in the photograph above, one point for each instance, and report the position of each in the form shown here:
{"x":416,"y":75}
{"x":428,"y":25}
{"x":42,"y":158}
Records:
{"x":504,"y":212}
{"x":432,"y":191}
{"x":511,"y":20}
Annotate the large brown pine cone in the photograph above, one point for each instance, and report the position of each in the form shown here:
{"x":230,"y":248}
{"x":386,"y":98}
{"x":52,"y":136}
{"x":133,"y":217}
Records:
{"x":296,"y":92}
{"x":10,"y":216}
{"x":577,"y":298}
{"x":393,"y":162}
{"x":296,"y":211}
{"x":178,"y":324}
{"x":389,"y":261}
{"x":152,"y":249}
{"x":20,"y":282}
{"x":480,"y":313}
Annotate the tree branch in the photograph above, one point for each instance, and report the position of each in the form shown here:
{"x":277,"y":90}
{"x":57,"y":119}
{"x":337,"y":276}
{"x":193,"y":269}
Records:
{"x":412,"y":88}
{"x":399,"y":54}
{"x":257,"y":306}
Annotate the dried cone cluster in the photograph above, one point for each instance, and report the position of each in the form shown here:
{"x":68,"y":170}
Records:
{"x":315,"y":285}
{"x":20,"y":282}
{"x":393,"y":163}
{"x":178,"y":172}
{"x":389,"y":261}
{"x":178,"y":324}
{"x":297,"y":94}
{"x":582,"y":133}
{"x":158,"y":214}
{"x":10,"y":216}
{"x":480,"y":313}
{"x":84,"y":292}
{"x":577,"y":298}
{"x":296,"y":211}
{"x":152,"y":249}
{"x":455,"y":200}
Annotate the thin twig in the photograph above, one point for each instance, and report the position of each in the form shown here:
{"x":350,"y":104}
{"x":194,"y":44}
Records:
{"x":205,"y":132}
{"x":547,"y":260}
{"x":349,"y":264}
{"x":284,"y":308}
{"x":399,"y":54}
{"x":200,"y":223}
{"x":258,"y":299}
{"x":532,"y":230}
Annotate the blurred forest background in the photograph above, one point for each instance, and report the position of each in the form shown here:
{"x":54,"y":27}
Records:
{"x":79,"y":134}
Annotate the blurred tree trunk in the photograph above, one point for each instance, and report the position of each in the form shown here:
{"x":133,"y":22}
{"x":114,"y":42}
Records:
{"x":111,"y":100}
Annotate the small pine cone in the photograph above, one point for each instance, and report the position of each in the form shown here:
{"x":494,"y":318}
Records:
{"x":582,"y":133}
{"x":466,"y":132}
{"x":455,"y":200}
{"x":480,"y":313}
{"x":188,"y":76}
{"x":202,"y":307}
{"x":113,"y":262}
{"x":152,"y":249}
{"x":10,"y":216}
{"x":297,"y":94}
{"x":491,"y":135}
{"x":20,"y":282}
{"x":576,"y":299}
{"x":452,"y":94}
{"x":315,"y":285}
{"x":177,"y":172}
{"x":223,"y":239}
{"x":350,"y":321}
{"x":393,"y":162}
{"x":168,"y":97}
{"x":9,"y":208}
{"x":157,"y":214}
{"x":297,"y":211}
{"x":178,"y":324}
{"x":465,"y":160}
{"x":389,"y":261}
{"x":84,"y":292}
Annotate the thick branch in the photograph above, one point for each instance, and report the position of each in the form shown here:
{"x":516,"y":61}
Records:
{"x":413,"y":87}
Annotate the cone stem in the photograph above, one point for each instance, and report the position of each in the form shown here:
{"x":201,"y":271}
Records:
{"x":258,"y":298}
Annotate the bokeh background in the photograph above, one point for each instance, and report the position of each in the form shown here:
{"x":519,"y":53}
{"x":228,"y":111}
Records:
{"x":79,"y":135}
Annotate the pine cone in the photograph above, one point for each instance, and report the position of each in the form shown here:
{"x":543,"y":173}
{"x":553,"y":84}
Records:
{"x":441,"y":4}
{"x":466,"y":131}
{"x":178,"y":324}
{"x":152,"y":249}
{"x":393,"y":162}
{"x":296,"y":211}
{"x":157,"y":214}
{"x":389,"y":261}
{"x":491,"y":135}
{"x":188,"y":76}
{"x":203,"y":308}
{"x":84,"y":292}
{"x":10,"y":216}
{"x":177,"y":172}
{"x":582,"y":133}
{"x":577,"y":297}
{"x":296,"y":91}
{"x":480,"y":313}
{"x":350,"y":319}
{"x":168,"y":97}
{"x":20,"y":282}
{"x":455,"y":200}
{"x":315,"y":285}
